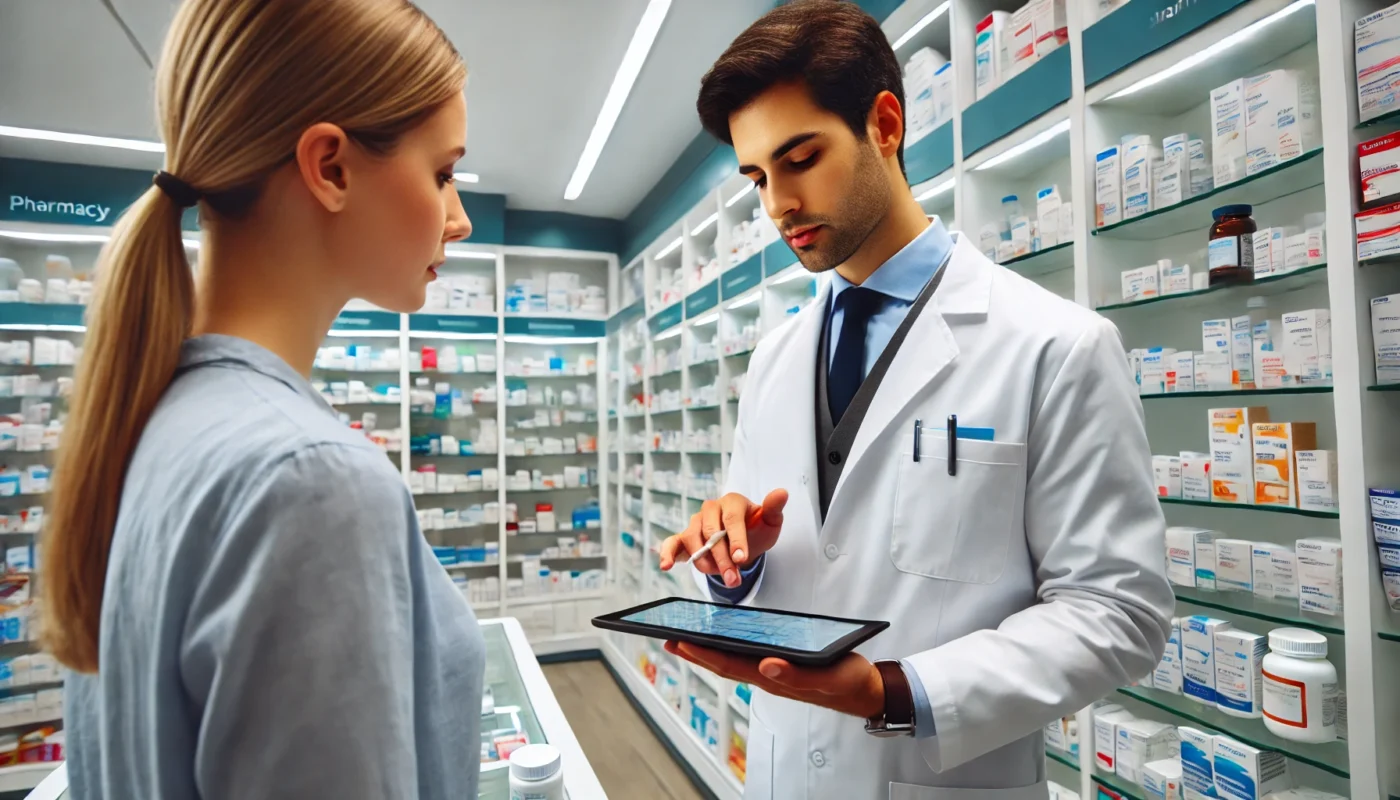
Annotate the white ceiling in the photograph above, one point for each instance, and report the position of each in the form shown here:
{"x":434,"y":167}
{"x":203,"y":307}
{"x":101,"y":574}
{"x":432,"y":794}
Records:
{"x":539,"y":72}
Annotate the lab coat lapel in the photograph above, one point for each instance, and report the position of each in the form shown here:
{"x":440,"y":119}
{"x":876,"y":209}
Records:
{"x":928,"y":349}
{"x":794,"y":375}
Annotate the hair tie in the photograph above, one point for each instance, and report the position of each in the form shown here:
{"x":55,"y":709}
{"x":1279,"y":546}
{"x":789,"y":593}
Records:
{"x":181,"y":192}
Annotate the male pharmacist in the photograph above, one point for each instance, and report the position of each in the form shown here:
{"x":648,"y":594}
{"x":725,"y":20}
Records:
{"x":1021,"y":565}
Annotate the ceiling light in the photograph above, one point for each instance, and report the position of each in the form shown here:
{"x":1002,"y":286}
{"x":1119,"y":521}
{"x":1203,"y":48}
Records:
{"x":1025,"y":147}
{"x":632,"y":60}
{"x":476,"y":254}
{"x":24,"y":326}
{"x":71,"y":238}
{"x":192,"y":244}
{"x":744,"y":301}
{"x":82,"y":138}
{"x":920,"y":25}
{"x":466,"y":177}
{"x":705,"y":223}
{"x":661,"y":337}
{"x":708,"y":319}
{"x":795,"y":275}
{"x":748,"y":187}
{"x":1201,"y":56}
{"x":935,"y":191}
{"x":348,"y":334}
{"x":669,"y":249}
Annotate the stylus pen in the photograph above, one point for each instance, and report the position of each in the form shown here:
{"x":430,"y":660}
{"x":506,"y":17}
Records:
{"x":753,"y":521}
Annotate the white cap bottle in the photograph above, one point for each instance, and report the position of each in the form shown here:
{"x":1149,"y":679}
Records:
{"x":1300,"y":687}
{"x":535,"y":773}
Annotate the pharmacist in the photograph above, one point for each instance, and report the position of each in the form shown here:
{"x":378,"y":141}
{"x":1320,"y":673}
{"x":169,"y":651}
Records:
{"x":1020,"y":566}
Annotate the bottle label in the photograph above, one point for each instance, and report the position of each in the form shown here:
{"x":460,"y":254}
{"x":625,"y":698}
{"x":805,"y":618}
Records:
{"x":1230,"y":251}
{"x":529,"y":794}
{"x":1286,"y":701}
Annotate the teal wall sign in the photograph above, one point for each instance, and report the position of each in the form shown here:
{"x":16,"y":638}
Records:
{"x":453,"y":323}
{"x":931,"y":156}
{"x":666,"y":318}
{"x":777,"y":257}
{"x":375,"y":321}
{"x":72,"y":194}
{"x":742,"y":278}
{"x":1143,"y":27}
{"x":629,"y":314}
{"x":564,"y":231}
{"x":564,"y":328}
{"x":702,"y":299}
{"x":37,"y":314}
{"x":1041,"y":87}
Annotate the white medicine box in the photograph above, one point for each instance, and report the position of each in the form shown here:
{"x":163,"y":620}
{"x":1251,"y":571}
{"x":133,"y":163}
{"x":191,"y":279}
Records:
{"x":1379,"y":163}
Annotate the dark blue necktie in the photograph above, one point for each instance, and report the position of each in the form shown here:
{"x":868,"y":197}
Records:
{"x":848,"y":365}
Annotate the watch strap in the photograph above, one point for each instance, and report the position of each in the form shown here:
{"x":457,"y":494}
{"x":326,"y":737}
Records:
{"x":899,"y":697}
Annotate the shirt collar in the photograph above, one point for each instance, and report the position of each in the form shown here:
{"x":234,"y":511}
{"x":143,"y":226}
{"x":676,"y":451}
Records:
{"x":217,"y":348}
{"x":905,"y":274}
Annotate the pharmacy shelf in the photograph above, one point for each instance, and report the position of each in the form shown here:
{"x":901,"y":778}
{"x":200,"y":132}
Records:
{"x":1388,"y":118}
{"x":23,"y":777}
{"x":552,"y":455}
{"x":1331,"y":757}
{"x":1239,"y":393}
{"x":548,"y":599}
{"x":525,"y":377}
{"x":1250,"y":507}
{"x":1389,"y":387}
{"x":718,"y":406}
{"x":664,"y":412}
{"x":706,"y":677}
{"x":667,"y":493}
{"x":1268,"y":285}
{"x":1247,"y":605}
{"x":1130,"y":791}
{"x":1296,"y":175}
{"x":1389,"y":637}
{"x":1062,"y":757}
{"x":740,"y":707}
{"x":1043,"y":262}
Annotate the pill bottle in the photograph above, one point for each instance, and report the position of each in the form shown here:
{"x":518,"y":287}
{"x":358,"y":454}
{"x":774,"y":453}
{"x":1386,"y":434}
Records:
{"x":1230,"y":252}
{"x":535,"y":773}
{"x":1300,"y":687}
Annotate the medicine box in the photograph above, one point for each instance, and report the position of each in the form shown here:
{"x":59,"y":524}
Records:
{"x":1161,"y":780}
{"x":1173,"y":184}
{"x":990,"y":59}
{"x":1195,"y":475}
{"x":1379,"y":163}
{"x":1197,"y":761}
{"x":1139,"y":156}
{"x":1378,"y":232}
{"x":1234,"y":565}
{"x":1232,"y":452}
{"x":1377,"y":39}
{"x":1239,"y":685}
{"x":1385,"y":331}
{"x":1319,"y":575}
{"x":1047,"y":213}
{"x":1108,"y":195}
{"x":1141,"y":283}
{"x":1263,"y":264}
{"x":1181,"y":555}
{"x":1307,"y":344}
{"x":1020,"y":41}
{"x":1202,"y":179}
{"x":1174,"y":278}
{"x":1140,"y":742}
{"x":1242,"y":349}
{"x":1106,"y":719}
{"x":1275,"y":443}
{"x":1181,"y":372}
{"x":1317,"y":479}
{"x":1260,"y":557}
{"x":1295,"y":252}
{"x":1228,"y":143}
{"x":1281,"y":118}
{"x":1166,"y":470}
{"x":1154,"y":370}
{"x":1051,"y":25}
{"x":1214,"y":372}
{"x":1198,"y":657}
{"x":1167,"y":676}
{"x":1283,"y":574}
{"x":1243,"y":772}
{"x":1385,"y":504}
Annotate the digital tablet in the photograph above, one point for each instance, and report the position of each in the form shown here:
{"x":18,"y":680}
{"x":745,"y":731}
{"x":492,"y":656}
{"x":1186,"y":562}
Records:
{"x":807,"y":639}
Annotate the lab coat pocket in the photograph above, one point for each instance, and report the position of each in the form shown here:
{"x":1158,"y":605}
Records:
{"x":908,"y":791}
{"x":758,"y":763}
{"x":957,"y":527}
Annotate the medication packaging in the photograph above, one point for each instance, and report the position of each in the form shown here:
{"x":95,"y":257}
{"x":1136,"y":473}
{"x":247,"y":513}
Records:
{"x":1242,"y":349}
{"x":1300,"y":687}
{"x":1283,"y":574}
{"x":1281,"y":118}
{"x":1108,"y":194}
{"x":1167,"y":676}
{"x":1202,"y":179}
{"x":1307,"y":344}
{"x":1234,"y":565}
{"x":1140,"y":283}
{"x":1167,"y":472}
{"x":1316,"y":479}
{"x":1232,"y":452}
{"x":1195,"y":475}
{"x":1020,"y":42}
{"x":1181,"y":555}
{"x":990,"y":56}
{"x":1378,"y":232}
{"x":1181,"y":372}
{"x":1377,"y":40}
{"x":1228,"y":143}
{"x":1197,"y":762}
{"x":1140,"y":742}
{"x":1047,"y":212}
{"x":1161,"y":780}
{"x":1214,"y":372}
{"x":1385,"y":334}
{"x":1198,"y":657}
{"x":1106,"y":719}
{"x":1139,"y":155}
{"x":1275,"y":443}
{"x":1261,"y":556}
{"x":1239,"y":656}
{"x":1051,"y":25}
{"x":1174,"y":278}
{"x":1154,"y":370}
{"x":1379,"y":163}
{"x":1319,"y":575}
{"x":1174,"y":184}
{"x":1243,"y":772}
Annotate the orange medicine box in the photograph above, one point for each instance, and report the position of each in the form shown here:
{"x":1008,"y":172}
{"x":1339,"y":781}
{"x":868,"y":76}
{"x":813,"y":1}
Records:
{"x":1232,"y":453}
{"x":1275,"y":474}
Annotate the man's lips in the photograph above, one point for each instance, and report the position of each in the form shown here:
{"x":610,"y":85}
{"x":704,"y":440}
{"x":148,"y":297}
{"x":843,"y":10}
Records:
{"x":804,"y":236}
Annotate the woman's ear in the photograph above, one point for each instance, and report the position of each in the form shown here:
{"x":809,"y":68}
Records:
{"x":323,"y":162}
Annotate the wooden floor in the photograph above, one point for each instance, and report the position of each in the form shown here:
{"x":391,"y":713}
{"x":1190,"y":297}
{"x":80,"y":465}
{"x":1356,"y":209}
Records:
{"x":624,"y":753}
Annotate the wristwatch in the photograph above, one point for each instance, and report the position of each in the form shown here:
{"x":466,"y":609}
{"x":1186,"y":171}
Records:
{"x":898,"y":717}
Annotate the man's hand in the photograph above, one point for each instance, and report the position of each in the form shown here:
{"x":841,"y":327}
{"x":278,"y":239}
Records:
{"x":752,"y":531}
{"x":852,"y":685}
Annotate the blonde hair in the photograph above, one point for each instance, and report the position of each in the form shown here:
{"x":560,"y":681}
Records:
{"x":237,"y":85}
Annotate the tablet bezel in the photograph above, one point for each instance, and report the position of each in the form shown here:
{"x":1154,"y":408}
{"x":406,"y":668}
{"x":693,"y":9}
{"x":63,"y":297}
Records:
{"x":806,"y":658}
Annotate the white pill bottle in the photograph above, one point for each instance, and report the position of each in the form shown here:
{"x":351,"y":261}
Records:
{"x":535,"y":773}
{"x":1300,"y":687}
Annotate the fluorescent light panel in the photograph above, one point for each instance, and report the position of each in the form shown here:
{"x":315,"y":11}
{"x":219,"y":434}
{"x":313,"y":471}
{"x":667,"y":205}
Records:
{"x":708,"y":319}
{"x":82,"y":139}
{"x":20,"y":326}
{"x":547,"y":340}
{"x":935,"y":191}
{"x":705,"y":223}
{"x":1024,"y":147}
{"x":364,"y":335}
{"x":669,"y":249}
{"x":797,"y":274}
{"x":748,"y":187}
{"x":921,"y":24}
{"x":661,"y":337}
{"x":642,"y":39}
{"x":1202,"y":56}
{"x":744,"y":301}
{"x":466,"y":177}
{"x":73,"y":238}
{"x":473,"y":254}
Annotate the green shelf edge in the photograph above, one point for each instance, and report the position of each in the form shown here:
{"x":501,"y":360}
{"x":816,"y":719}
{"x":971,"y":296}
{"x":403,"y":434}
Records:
{"x":1389,"y":116}
{"x":666,"y":492}
{"x":1384,"y":387}
{"x":1267,"y":279}
{"x":1131,"y":791}
{"x":1287,"y":621}
{"x":1287,"y":165}
{"x":1240,"y":393}
{"x":1055,"y":755}
{"x":1037,"y":254}
{"x":1389,"y":637}
{"x":1250,"y":507}
{"x":1292,"y":753}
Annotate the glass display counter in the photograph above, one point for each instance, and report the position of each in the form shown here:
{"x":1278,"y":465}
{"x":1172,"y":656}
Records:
{"x":518,"y":700}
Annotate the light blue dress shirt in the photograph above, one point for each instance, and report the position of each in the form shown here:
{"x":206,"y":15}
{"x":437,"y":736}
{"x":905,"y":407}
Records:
{"x":274,"y":624}
{"x":900,"y":279}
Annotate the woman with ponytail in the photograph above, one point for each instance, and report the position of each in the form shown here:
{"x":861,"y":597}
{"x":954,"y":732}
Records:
{"x":237,"y":580}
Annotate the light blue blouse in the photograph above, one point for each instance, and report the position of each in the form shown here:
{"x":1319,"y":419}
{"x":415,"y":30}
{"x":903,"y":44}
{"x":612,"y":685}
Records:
{"x":274,"y":624}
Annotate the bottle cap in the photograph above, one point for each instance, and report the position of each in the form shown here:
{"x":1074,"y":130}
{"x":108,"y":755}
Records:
{"x":534,"y":762}
{"x":1298,"y":642}
{"x":1240,"y":210}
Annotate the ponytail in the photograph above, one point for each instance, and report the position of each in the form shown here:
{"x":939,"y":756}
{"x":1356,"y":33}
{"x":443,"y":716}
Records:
{"x":142,"y":312}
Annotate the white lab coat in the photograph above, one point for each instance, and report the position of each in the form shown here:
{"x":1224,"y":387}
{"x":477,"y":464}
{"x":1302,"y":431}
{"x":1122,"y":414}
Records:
{"x":1021,"y":590}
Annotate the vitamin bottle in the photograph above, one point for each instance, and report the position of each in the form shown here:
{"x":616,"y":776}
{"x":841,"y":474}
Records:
{"x":1300,"y":687}
{"x":1231,"y":249}
{"x":535,"y":773}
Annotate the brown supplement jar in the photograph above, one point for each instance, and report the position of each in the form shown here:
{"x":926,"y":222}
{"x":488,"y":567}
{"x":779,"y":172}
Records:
{"x":1231,"y":249}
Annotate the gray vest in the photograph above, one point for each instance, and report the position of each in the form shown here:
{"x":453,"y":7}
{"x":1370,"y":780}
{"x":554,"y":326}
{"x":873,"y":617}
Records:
{"x":834,"y":441}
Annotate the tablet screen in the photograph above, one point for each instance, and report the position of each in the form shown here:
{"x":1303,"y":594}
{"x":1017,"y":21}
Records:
{"x":746,"y":624}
